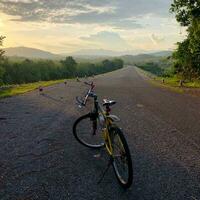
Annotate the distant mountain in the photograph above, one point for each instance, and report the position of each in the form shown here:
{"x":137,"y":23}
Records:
{"x":162,"y":53}
{"x":102,"y":52}
{"x":133,"y":59}
{"x":143,"y":58}
{"x":96,"y":52}
{"x":86,"y":54}
{"x":27,"y":52}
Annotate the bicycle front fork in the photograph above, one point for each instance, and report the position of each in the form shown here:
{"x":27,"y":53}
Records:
{"x":94,"y":123}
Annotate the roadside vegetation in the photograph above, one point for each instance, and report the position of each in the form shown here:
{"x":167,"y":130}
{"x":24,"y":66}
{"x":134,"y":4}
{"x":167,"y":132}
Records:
{"x":182,"y":68}
{"x":160,"y":67}
{"x":29,"y":71}
{"x":187,"y":56}
{"x":21,"y":75}
{"x":165,"y":72}
{"x":12,"y":90}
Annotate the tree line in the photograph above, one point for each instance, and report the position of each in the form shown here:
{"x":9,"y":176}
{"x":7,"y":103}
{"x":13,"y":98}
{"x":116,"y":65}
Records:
{"x":28,"y":71}
{"x":187,"y":55}
{"x":159,"y":67}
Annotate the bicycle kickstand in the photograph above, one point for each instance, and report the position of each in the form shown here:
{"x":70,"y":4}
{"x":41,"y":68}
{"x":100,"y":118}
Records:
{"x":107,"y":168}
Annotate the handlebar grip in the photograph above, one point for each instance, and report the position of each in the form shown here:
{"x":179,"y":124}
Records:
{"x":89,"y":83}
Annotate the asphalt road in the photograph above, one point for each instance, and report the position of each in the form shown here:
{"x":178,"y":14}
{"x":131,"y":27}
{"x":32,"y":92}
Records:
{"x":40,"y":159}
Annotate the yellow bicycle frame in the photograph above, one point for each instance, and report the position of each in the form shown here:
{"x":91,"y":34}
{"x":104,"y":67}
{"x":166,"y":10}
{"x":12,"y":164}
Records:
{"x":106,"y":136}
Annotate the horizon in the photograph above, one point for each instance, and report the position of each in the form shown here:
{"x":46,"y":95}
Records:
{"x":101,"y":52}
{"x":68,"y":27}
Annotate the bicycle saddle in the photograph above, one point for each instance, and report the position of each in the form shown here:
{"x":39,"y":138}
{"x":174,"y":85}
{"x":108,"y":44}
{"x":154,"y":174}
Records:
{"x":107,"y":102}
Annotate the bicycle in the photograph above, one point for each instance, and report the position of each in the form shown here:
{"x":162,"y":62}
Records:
{"x":82,"y":101}
{"x":112,"y":138}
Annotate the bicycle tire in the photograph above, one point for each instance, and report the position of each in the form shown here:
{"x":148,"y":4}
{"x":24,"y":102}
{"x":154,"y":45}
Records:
{"x":96,"y":138}
{"x":115,"y":131}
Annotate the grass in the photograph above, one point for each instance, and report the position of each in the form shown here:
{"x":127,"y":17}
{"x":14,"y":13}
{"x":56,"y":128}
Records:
{"x":168,"y":86}
{"x":23,"y":88}
{"x":171,"y":81}
{"x":175,"y":82}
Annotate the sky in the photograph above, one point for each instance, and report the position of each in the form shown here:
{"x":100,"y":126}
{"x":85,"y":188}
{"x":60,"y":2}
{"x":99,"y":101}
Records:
{"x":65,"y":26}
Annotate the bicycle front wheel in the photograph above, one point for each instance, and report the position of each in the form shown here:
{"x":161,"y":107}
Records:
{"x":122,"y":162}
{"x":88,"y":132}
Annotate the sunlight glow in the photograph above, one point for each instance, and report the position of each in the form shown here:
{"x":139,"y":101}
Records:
{"x":154,"y":34}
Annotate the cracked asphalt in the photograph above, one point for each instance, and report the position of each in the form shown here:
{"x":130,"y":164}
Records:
{"x":40,"y":159}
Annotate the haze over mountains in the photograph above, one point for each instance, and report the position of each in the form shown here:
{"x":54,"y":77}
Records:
{"x":27,"y":52}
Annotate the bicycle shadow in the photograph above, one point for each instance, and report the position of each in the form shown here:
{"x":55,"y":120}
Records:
{"x":154,"y":178}
{"x":58,"y":101}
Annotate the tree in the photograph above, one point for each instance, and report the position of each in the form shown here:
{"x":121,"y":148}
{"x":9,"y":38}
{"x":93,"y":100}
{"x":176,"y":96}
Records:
{"x":107,"y":63}
{"x":1,"y":50}
{"x":183,"y":59}
{"x":69,"y":66}
{"x":118,"y":63}
{"x":187,"y":55}
{"x":186,"y":11}
{"x":2,"y":70}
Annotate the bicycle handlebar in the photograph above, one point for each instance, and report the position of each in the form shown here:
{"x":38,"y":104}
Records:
{"x":88,"y":83}
{"x":93,"y":95}
{"x":91,"y":84}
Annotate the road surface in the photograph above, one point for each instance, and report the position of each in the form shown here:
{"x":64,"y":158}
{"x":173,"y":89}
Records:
{"x":40,"y":159}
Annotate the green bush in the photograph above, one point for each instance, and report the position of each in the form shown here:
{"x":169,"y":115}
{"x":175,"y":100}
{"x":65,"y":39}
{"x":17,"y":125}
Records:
{"x":152,"y":68}
{"x":28,"y":71}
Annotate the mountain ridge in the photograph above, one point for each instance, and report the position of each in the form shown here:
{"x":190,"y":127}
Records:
{"x":29,"y":52}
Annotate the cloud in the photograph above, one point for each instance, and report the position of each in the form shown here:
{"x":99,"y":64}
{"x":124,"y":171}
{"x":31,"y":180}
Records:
{"x":115,"y":13}
{"x":126,"y":24}
{"x":157,"y":39}
{"x":110,"y":40}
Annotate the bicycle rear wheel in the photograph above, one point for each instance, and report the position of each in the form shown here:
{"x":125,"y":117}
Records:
{"x":122,"y":162}
{"x":87,"y":131}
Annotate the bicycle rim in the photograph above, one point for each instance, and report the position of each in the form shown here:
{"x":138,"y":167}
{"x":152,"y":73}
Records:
{"x":122,"y":163}
{"x":84,"y":132}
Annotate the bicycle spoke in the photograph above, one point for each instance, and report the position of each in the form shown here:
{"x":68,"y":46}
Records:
{"x":87,"y":135}
{"x":120,"y":160}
